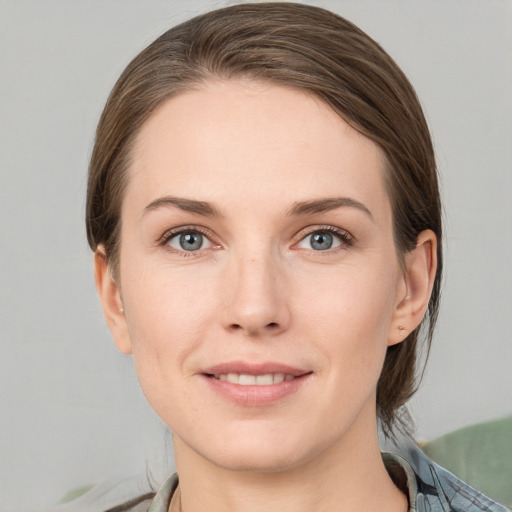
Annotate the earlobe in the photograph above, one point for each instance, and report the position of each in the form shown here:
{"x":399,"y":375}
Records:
{"x":111,"y":303}
{"x":418,"y":281}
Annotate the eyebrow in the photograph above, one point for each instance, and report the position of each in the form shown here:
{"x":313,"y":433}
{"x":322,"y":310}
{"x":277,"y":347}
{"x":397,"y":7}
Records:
{"x":297,"y":209}
{"x":187,"y":205}
{"x":325,"y":205}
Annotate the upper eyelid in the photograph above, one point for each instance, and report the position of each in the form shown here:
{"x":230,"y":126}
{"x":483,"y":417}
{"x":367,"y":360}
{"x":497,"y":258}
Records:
{"x":345,"y":238}
{"x":301,"y":234}
{"x":318,"y":228}
{"x":171,"y":233}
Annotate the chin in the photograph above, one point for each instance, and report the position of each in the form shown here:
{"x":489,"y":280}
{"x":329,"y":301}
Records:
{"x":258,"y":453}
{"x":272,"y":443}
{"x":257,"y":461}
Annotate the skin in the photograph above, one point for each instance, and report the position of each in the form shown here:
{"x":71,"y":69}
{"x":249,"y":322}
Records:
{"x":258,"y":291}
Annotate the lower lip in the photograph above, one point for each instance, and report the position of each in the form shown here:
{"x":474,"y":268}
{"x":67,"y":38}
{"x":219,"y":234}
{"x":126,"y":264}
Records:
{"x":255,"y":396}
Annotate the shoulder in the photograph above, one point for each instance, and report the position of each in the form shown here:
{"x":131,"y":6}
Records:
{"x":133,"y":494}
{"x":434,"y":489}
{"x":127,"y":495}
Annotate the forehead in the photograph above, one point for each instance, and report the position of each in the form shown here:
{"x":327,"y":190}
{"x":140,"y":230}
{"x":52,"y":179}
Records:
{"x":255,"y":142}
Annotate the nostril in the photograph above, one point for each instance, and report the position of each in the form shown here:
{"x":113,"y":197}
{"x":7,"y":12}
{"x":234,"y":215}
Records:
{"x":273,"y":326}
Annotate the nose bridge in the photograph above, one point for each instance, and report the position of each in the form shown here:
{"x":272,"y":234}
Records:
{"x":256,"y":301}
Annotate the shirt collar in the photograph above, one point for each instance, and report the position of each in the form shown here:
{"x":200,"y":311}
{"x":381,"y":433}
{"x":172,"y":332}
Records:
{"x":398,"y":468}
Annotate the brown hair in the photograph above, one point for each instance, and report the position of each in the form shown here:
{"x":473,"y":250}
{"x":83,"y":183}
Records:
{"x":298,"y":46}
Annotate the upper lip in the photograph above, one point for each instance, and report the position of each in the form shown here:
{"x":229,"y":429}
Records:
{"x":241,"y":367}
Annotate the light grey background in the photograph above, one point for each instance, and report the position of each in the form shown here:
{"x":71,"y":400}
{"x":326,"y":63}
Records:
{"x":71,"y":410}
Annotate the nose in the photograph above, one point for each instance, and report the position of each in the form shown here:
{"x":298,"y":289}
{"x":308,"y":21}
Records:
{"x":255,"y":302}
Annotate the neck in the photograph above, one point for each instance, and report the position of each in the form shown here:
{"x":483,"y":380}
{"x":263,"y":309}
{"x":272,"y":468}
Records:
{"x":348,"y":475}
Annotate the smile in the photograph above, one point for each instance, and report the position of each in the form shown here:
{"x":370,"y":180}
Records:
{"x":245,"y":379}
{"x":255,"y":385}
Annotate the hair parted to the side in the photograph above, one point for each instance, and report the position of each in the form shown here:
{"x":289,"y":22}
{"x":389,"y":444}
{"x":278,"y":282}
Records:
{"x":299,"y":46}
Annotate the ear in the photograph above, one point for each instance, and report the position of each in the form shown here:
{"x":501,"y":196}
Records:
{"x":110,"y":298}
{"x":415,"y":289}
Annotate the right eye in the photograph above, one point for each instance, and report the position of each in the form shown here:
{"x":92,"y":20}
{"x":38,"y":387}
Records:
{"x":189,"y":241}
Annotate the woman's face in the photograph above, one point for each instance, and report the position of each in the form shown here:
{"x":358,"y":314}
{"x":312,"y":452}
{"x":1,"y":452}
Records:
{"x":258,"y":274}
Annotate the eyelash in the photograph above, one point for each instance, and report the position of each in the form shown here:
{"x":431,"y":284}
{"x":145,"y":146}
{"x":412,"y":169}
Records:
{"x":172,"y":233}
{"x":347,"y":240}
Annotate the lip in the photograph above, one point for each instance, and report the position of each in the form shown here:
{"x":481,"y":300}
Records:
{"x":254,"y":368}
{"x":254,"y":395}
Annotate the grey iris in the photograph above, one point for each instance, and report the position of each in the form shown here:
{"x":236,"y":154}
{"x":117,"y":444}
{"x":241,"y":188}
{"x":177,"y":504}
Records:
{"x":191,"y":241}
{"x":321,"y":241}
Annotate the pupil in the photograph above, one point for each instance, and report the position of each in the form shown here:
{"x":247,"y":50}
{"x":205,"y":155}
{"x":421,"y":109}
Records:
{"x":321,"y":241}
{"x":191,"y":241}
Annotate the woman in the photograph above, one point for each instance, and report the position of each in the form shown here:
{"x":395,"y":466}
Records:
{"x":264,"y":211}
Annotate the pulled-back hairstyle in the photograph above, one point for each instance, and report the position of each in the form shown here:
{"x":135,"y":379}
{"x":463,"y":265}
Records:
{"x":301,"y":47}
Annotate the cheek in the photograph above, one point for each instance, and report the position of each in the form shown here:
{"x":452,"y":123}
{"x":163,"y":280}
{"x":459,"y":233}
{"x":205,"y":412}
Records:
{"x":167,"y":312}
{"x":168,"y":318}
{"x":349,"y":314}
{"x":356,"y":300}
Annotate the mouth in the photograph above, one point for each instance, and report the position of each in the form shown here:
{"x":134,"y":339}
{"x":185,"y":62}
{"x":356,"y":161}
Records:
{"x":255,"y":385}
{"x":245,"y":379}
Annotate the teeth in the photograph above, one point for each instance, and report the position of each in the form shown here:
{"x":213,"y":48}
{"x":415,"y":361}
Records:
{"x":254,"y":380}
{"x":233,"y":378}
{"x":246,"y":380}
{"x":264,"y":380}
{"x":278,"y":377}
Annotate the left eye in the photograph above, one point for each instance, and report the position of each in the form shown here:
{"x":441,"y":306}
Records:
{"x":189,"y":241}
{"x":321,"y":241}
